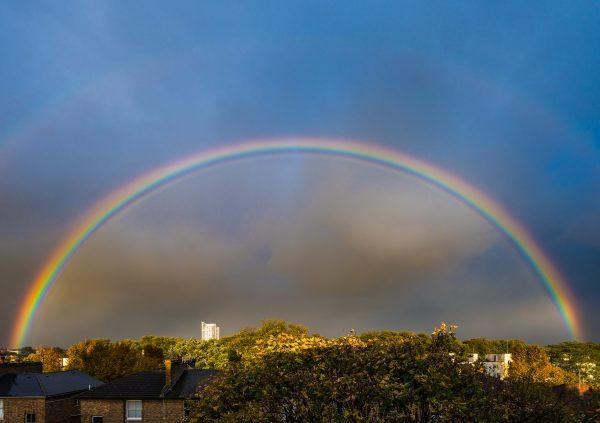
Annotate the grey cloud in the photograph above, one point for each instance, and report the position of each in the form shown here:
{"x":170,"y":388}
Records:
{"x":360,"y":248}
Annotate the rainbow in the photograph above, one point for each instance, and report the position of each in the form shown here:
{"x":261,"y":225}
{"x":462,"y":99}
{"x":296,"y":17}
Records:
{"x":124,"y":197}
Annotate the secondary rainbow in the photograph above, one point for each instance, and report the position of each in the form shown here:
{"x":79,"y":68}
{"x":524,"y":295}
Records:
{"x":127,"y":195}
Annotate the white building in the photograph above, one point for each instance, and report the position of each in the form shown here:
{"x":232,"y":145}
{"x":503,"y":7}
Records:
{"x":494,"y":364}
{"x":209,"y":331}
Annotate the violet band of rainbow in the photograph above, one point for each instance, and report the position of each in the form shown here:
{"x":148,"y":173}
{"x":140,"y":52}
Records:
{"x":122,"y":198}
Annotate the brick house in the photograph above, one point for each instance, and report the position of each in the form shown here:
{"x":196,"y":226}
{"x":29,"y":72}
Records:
{"x":149,"y":396}
{"x":42,"y":397}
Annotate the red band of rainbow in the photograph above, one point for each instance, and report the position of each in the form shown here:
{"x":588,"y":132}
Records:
{"x":127,"y":195}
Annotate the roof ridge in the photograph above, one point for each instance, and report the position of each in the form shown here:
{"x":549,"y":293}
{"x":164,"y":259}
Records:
{"x":179,"y":377}
{"x":55,"y":372}
{"x":35,"y":376}
{"x":143,"y":384}
{"x":171,"y":387}
{"x":168,"y":388}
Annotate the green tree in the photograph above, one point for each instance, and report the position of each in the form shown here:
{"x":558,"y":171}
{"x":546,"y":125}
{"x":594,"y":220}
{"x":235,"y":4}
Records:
{"x":484,"y":346}
{"x":388,"y":336}
{"x":579,"y":358}
{"x":157,"y":343}
{"x":308,"y":378}
{"x":383,"y":377}
{"x":216,"y":353}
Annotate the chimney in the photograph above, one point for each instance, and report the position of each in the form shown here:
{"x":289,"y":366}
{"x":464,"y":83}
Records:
{"x":173,"y":370}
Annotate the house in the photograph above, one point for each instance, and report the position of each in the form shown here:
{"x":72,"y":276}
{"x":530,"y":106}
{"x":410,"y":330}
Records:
{"x":42,"y":397}
{"x":149,"y":396}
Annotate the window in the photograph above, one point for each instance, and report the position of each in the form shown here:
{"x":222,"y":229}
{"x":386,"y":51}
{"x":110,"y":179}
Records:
{"x":29,"y":417}
{"x":1,"y":409}
{"x":134,"y":410}
{"x":97,"y":419}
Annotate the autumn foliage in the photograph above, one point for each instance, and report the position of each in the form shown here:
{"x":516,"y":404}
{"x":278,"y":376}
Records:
{"x":50,"y":357}
{"x":279,"y":372}
{"x":108,"y":361}
{"x":405,"y":378}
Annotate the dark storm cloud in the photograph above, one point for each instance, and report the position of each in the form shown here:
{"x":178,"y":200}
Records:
{"x":360,"y":248}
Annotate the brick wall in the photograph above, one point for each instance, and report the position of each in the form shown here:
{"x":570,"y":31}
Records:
{"x":169,"y":411}
{"x":15,"y":409}
{"x":113,"y":411}
{"x":61,"y":410}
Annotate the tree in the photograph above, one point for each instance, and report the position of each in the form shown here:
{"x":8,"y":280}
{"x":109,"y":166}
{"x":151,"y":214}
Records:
{"x":387,"y":336}
{"x":157,"y":343}
{"x":216,"y":353}
{"x":579,"y":358}
{"x":50,"y":357}
{"x":484,"y":346}
{"x":25,"y":351}
{"x":531,"y":363}
{"x":310,"y":378}
{"x":109,"y":361}
{"x":379,"y":377}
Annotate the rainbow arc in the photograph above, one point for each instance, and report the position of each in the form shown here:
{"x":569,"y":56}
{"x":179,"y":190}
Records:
{"x":124,"y":197}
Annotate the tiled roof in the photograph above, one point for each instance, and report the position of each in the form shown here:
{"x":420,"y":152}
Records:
{"x":150,"y":385}
{"x":140,"y":385}
{"x":45,"y":384}
{"x":188,"y":383}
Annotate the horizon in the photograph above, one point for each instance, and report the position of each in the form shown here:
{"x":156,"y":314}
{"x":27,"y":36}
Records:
{"x":234,"y":332}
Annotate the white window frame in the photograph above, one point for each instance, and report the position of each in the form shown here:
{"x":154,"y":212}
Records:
{"x":132,"y":402}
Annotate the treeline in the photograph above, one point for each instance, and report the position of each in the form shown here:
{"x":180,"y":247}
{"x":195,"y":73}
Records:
{"x":281,"y":372}
{"x":97,"y":356}
{"x":388,"y":376}
{"x":580,"y":359}
{"x":108,"y":360}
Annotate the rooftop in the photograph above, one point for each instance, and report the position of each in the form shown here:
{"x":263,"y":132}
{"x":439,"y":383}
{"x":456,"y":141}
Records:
{"x":151,"y":384}
{"x":45,"y":384}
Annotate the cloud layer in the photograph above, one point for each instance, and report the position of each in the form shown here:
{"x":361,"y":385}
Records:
{"x":354,"y":247}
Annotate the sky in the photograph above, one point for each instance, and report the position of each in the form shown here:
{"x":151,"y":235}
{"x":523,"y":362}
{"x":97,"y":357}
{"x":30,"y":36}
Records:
{"x":505,"y":96}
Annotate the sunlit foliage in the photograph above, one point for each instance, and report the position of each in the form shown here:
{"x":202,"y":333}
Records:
{"x":108,"y":361}
{"x":385,"y":377}
{"x":50,"y":357}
